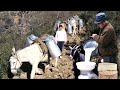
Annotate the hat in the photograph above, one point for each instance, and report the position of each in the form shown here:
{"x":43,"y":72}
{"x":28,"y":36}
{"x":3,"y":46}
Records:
{"x":100,"y":17}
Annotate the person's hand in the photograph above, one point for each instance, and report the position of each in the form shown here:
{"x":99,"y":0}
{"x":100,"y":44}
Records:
{"x":65,"y":42}
{"x":93,"y":35}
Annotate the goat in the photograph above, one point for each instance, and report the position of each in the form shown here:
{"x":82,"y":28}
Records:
{"x":77,"y":53}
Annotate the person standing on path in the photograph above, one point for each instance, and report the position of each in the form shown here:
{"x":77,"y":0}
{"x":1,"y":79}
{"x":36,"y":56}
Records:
{"x":61,"y":37}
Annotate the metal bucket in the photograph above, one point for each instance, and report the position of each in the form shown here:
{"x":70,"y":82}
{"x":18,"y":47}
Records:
{"x":69,"y":29}
{"x":81,"y":22}
{"x":91,"y":43}
{"x":30,"y":40}
{"x":52,"y":47}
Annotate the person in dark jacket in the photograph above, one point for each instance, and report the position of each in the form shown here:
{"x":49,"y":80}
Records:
{"x":107,"y":43}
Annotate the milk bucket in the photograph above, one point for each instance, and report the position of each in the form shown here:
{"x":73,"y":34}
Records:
{"x":90,"y":43}
{"x":69,"y":29}
{"x":30,"y":40}
{"x":52,"y":47}
{"x":81,"y":22}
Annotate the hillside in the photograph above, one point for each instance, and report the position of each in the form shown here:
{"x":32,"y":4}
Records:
{"x":16,"y":26}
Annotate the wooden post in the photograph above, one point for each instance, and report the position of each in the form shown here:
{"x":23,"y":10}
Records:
{"x":107,"y":71}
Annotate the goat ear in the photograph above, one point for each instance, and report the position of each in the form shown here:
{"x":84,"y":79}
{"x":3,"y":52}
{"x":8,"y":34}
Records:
{"x":13,"y":50}
{"x":70,"y":47}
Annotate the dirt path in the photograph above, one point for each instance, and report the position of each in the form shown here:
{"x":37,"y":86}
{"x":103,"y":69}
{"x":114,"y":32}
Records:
{"x":64,"y":70}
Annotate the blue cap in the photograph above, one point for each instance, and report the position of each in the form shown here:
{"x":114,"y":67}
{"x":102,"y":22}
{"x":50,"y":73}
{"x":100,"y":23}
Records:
{"x":100,"y":17}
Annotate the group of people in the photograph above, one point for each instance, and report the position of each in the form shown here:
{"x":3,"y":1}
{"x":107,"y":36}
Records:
{"x":73,"y":25}
{"x":107,"y":40}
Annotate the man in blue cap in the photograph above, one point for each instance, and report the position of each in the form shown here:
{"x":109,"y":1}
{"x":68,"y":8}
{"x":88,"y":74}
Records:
{"x":107,"y":43}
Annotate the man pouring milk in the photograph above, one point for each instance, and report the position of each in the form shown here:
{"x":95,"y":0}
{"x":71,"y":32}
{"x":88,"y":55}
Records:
{"x":107,"y":44}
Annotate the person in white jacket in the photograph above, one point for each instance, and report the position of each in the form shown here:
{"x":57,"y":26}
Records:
{"x":61,"y":37}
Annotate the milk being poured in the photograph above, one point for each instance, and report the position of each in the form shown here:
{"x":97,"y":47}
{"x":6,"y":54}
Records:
{"x":88,"y":52}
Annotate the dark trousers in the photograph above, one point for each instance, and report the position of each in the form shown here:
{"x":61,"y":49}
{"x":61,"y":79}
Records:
{"x":48,"y":57}
{"x":60,"y":44}
{"x":110,"y":59}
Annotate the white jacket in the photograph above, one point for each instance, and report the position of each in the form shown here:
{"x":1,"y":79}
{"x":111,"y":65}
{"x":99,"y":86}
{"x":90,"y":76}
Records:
{"x":61,"y":35}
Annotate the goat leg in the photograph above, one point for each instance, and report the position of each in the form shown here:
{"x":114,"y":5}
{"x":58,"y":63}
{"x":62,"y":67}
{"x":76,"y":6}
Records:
{"x":56,"y":61}
{"x":33,"y":71}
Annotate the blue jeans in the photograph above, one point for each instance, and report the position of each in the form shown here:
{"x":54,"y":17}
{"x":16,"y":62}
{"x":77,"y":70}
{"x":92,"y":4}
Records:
{"x":60,"y":44}
{"x":110,"y":59}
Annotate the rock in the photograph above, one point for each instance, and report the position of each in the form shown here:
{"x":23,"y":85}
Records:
{"x":16,"y":77}
{"x":55,"y":69}
{"x":61,"y":74}
{"x":23,"y":76}
{"x":40,"y":71}
{"x":71,"y":77}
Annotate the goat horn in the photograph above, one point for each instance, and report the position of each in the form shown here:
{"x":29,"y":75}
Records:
{"x":70,"y":47}
{"x":75,"y":46}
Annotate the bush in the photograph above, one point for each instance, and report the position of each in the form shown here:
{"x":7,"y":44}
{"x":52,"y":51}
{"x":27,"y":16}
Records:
{"x":4,"y":58}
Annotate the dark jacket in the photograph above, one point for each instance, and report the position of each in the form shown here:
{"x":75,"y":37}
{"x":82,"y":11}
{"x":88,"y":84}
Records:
{"x":107,"y":42}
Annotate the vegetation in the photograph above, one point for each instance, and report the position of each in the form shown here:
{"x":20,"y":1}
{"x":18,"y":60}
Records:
{"x":15,"y":26}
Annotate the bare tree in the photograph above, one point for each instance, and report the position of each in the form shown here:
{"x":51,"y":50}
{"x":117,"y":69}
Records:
{"x":20,"y":20}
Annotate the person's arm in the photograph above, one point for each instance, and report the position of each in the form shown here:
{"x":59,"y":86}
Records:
{"x":96,"y":38}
